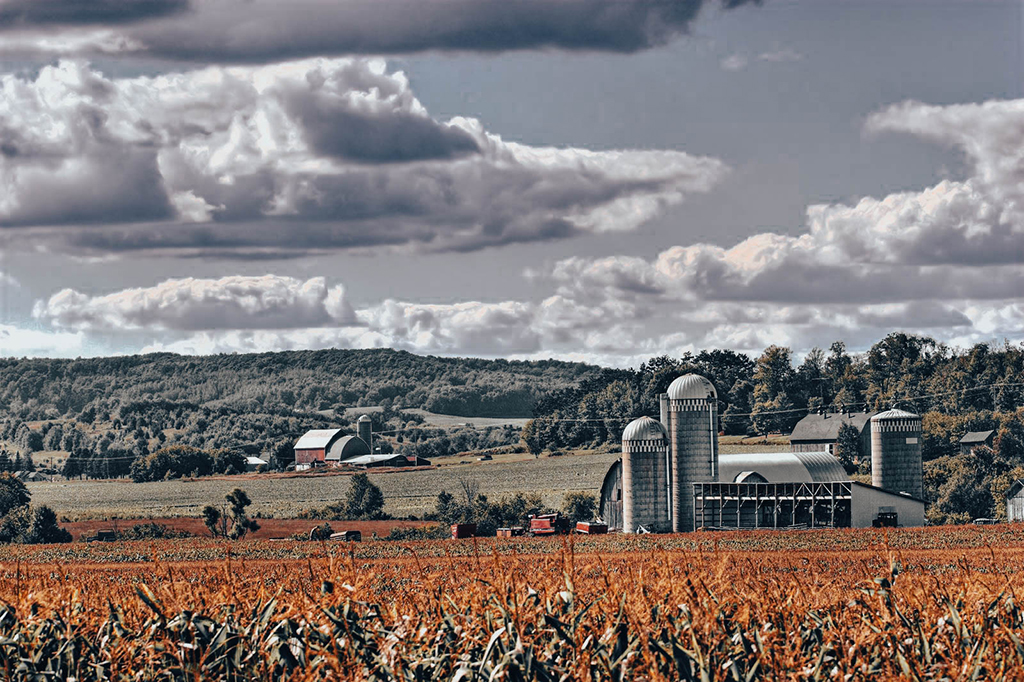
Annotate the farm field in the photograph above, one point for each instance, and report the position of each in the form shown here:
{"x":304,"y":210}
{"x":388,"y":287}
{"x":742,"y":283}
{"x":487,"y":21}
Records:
{"x":904,"y":604}
{"x":408,"y":493}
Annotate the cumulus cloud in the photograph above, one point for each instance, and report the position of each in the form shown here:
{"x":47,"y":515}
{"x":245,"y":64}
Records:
{"x":299,"y":157}
{"x":238,"y":302}
{"x":271,"y":30}
{"x":946,"y":261}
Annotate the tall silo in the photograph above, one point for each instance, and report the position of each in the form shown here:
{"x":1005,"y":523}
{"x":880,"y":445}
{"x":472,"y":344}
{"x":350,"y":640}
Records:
{"x":645,"y":491}
{"x":364,"y":429}
{"x":896,"y":452}
{"x":693,"y":442}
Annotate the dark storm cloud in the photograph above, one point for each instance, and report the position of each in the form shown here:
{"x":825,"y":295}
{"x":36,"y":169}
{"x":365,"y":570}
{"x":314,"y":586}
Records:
{"x":261,"y":31}
{"x":28,"y":13}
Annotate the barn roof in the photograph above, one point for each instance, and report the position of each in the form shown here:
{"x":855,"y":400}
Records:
{"x":825,"y":427}
{"x":364,"y":460}
{"x":345,"y":448}
{"x":316,"y":439}
{"x":976,"y":437}
{"x":783,"y":467}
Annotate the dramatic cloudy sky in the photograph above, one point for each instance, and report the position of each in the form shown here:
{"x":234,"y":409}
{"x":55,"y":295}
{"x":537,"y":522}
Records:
{"x":603,"y":180}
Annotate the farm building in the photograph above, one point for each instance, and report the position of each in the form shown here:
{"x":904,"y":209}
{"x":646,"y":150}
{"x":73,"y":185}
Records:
{"x":320,"y":446}
{"x":393,"y":460}
{"x":1015,"y":502}
{"x":253,"y":463}
{"x":974,"y":439}
{"x":820,"y":432}
{"x":671,"y":475}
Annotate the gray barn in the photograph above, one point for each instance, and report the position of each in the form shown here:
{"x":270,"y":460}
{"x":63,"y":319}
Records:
{"x":820,"y":432}
{"x":1015,"y":502}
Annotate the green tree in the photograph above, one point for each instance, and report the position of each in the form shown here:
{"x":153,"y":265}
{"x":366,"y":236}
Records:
{"x":233,"y":523}
{"x":364,"y":500}
{"x":773,"y":408}
{"x":13,"y":493}
{"x":240,"y":521}
{"x":848,"y":447}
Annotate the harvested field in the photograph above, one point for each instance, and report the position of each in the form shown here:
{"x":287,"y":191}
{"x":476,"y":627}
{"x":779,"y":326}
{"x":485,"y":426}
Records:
{"x":907,"y":604}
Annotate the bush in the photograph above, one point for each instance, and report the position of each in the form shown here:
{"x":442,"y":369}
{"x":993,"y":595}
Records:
{"x":579,"y":506}
{"x":151,"y":531}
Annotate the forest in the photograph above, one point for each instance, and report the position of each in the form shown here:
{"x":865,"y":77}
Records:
{"x":110,"y":413}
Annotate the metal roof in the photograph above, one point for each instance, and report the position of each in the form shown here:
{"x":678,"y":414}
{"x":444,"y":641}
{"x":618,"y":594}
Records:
{"x":691,"y":386}
{"x":976,"y":437}
{"x":825,"y":427}
{"x":346,"y":447}
{"x":255,"y":461}
{"x":316,"y":439}
{"x":783,"y":467}
{"x":365,"y":418}
{"x":363,"y":460}
{"x":644,"y":428}
{"x":894,"y":413}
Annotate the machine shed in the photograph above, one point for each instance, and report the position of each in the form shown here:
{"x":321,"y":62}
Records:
{"x":791,"y":467}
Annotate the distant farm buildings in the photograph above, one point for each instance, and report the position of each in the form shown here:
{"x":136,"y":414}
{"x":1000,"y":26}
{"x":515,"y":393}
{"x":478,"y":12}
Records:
{"x":820,"y":432}
{"x":975,"y":439}
{"x":335,"y":447}
{"x":672,"y":477}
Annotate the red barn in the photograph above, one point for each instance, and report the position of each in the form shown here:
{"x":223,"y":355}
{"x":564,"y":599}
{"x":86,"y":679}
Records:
{"x":320,"y":445}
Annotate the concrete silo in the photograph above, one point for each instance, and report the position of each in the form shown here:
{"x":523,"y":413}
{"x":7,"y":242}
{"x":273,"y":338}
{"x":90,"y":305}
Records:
{"x":896,"y":452}
{"x":645,"y":489}
{"x":364,"y":429}
{"x":693,"y":442}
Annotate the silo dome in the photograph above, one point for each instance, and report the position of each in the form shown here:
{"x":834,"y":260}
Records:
{"x":645,"y":428}
{"x":894,"y":413}
{"x":365,"y":418}
{"x":691,"y":387}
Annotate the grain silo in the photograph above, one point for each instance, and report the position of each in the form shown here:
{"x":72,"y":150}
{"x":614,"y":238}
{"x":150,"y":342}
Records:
{"x":896,"y":452}
{"x":645,"y":477}
{"x":364,"y":429}
{"x":693,"y":442}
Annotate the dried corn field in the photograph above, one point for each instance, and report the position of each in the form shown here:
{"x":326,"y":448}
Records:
{"x":603,"y":609}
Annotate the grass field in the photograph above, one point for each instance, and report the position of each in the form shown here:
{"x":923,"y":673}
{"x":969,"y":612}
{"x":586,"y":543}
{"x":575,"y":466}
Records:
{"x":408,"y":493}
{"x":915,"y":604}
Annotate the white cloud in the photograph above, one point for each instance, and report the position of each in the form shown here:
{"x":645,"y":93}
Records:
{"x":734,"y":62}
{"x":297,"y":158}
{"x":236,"y":302}
{"x":784,"y":54}
{"x":18,"y":341}
{"x":946,"y":261}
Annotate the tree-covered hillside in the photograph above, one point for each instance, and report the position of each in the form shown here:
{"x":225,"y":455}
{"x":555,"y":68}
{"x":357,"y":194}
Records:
{"x":304,"y":381}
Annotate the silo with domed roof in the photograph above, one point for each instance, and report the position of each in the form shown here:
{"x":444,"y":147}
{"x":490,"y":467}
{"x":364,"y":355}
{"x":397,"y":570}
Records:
{"x":693,"y":443}
{"x":645,"y":489}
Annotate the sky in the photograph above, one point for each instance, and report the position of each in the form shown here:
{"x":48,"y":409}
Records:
{"x":595,"y":180}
